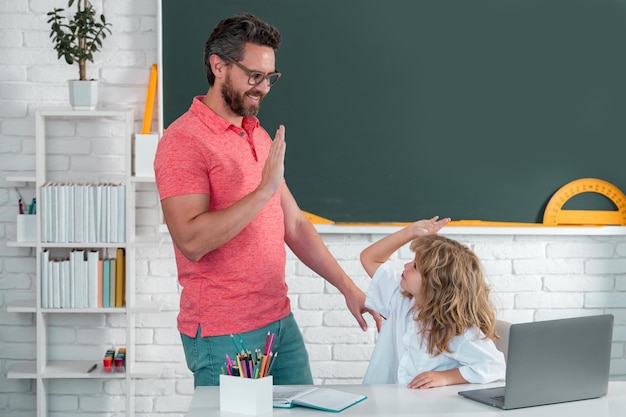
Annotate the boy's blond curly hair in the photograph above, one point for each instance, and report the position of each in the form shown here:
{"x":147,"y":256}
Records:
{"x":454,"y":297}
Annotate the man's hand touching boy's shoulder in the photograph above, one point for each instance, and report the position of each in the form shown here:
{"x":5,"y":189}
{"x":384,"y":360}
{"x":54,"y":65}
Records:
{"x":356,"y":304}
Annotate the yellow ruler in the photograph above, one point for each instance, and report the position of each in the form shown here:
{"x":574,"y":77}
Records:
{"x":554,"y":215}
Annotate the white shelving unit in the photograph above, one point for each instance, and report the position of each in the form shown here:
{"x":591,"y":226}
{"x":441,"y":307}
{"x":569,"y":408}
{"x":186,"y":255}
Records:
{"x":46,"y":368}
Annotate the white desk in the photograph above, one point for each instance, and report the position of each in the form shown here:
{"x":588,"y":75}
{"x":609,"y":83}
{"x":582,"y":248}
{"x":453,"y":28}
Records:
{"x":397,"y":400}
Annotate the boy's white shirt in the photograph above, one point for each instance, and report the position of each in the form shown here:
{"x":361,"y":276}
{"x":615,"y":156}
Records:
{"x":398,"y":355}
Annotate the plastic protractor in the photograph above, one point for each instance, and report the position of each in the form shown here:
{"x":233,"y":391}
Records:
{"x":554,"y":214}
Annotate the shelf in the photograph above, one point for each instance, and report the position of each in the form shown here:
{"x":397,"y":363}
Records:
{"x":143,"y":179}
{"x":28,"y":306}
{"x":16,"y":244}
{"x":72,"y":113}
{"x":89,"y":245}
{"x":101,"y":310}
{"x":23,"y":370}
{"x":42,"y":369}
{"x":22,"y":306}
{"x":140,"y":307}
{"x":22,"y":178}
{"x":139,"y":242}
{"x":78,"y":370}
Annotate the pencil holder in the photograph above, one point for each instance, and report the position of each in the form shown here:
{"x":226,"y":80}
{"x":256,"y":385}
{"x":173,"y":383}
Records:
{"x":248,"y":396}
{"x":26,"y":227}
{"x":144,"y":151}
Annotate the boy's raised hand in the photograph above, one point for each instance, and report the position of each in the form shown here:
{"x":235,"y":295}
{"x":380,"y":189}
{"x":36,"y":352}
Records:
{"x":428,"y":227}
{"x":378,"y":252}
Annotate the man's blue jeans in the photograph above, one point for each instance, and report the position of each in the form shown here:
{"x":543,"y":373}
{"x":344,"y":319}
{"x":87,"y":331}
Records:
{"x":206,"y":356}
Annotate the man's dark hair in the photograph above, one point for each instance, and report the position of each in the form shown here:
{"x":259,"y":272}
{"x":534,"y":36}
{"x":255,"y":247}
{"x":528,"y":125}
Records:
{"x":230,"y":35}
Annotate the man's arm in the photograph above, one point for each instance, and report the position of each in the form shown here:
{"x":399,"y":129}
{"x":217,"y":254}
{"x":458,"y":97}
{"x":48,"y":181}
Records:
{"x":307,"y":245}
{"x":196,"y":231}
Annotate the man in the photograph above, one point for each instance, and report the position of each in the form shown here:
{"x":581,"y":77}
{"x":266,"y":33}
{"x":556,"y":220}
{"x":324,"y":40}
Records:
{"x":230,"y":213}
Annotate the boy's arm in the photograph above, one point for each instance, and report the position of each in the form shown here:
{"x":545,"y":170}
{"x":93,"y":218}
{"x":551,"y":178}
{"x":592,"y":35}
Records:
{"x":378,"y":252}
{"x":434,"y":379}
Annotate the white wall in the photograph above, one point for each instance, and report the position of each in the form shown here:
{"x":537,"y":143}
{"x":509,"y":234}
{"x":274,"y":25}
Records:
{"x":534,"y":277}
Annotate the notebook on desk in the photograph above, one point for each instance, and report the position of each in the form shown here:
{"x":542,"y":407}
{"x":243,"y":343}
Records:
{"x":552,"y":362}
{"x":325,"y":399}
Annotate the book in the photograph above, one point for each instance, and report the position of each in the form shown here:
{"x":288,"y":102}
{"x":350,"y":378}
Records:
{"x":105,"y":282}
{"x":98,"y":218}
{"x":65,"y":289}
{"x":45,"y":261}
{"x":50,"y":285}
{"x":69,"y":212}
{"x":61,"y":213}
{"x":78,"y":213}
{"x":56,"y":284}
{"x":84,"y":265}
{"x":99,"y":286}
{"x":106,"y":214}
{"x":45,"y":212}
{"x":92,"y":235}
{"x":72,"y":280}
{"x":325,"y":399}
{"x":78,"y":279}
{"x":121,"y":213}
{"x":120,"y":278}
{"x":93,"y":258}
{"x":53,"y":235}
{"x":112,"y":209}
{"x":86,"y":212}
{"x":112,"y":282}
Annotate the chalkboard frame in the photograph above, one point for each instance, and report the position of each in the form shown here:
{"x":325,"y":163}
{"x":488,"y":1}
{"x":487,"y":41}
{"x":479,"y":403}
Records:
{"x":424,"y":167}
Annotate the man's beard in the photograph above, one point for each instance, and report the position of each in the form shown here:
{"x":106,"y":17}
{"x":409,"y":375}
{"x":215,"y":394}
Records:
{"x":235,"y":101}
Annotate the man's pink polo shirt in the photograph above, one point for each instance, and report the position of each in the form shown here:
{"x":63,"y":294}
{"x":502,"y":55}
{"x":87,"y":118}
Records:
{"x":240,"y":286}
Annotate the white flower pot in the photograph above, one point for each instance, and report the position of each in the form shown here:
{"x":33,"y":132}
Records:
{"x":83,"y":94}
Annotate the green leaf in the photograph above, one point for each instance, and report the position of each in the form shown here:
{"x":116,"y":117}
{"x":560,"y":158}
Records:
{"x":81,"y":36}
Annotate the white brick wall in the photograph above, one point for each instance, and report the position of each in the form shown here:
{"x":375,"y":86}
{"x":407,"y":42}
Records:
{"x":533,"y":277}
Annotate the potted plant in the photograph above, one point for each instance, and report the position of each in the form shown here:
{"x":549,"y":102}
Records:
{"x":76,"y":39}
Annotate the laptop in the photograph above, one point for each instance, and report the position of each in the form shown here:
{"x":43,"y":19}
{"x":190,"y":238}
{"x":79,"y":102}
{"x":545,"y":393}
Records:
{"x":553,"y":361}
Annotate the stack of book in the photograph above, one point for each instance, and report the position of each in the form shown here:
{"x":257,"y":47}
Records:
{"x":84,"y":280}
{"x":83,"y":213}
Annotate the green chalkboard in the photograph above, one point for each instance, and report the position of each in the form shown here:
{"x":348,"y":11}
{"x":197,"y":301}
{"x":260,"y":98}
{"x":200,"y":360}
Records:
{"x":397,"y":110}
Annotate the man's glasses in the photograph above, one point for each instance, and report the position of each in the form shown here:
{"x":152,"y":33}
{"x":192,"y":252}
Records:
{"x":256,"y":77}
